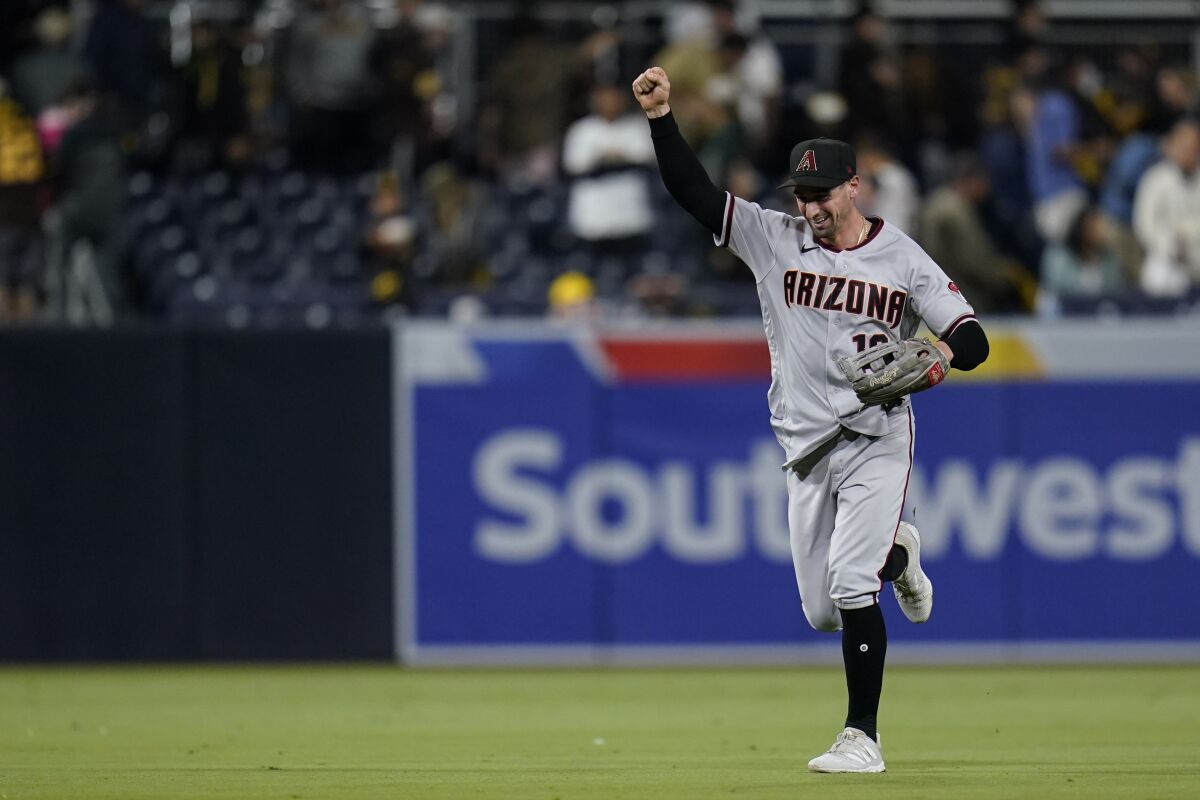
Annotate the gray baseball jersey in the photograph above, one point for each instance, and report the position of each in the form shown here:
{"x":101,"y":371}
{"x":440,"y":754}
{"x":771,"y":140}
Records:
{"x":819,"y":304}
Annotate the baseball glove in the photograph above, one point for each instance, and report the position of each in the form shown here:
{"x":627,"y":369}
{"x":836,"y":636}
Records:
{"x":889,"y":371}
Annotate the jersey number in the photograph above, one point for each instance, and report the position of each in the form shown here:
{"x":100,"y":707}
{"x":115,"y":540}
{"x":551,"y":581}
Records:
{"x":862,"y":343}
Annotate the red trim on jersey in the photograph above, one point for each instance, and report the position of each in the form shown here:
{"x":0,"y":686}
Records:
{"x":954,"y":325}
{"x":903,"y":500}
{"x":727,"y":227}
{"x":876,"y":227}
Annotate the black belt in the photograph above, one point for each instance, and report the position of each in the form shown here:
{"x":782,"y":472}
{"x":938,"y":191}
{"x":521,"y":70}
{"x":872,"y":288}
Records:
{"x":804,"y":466}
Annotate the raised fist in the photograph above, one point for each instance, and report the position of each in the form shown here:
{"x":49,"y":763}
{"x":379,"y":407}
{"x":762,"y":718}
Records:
{"x":652,"y":88}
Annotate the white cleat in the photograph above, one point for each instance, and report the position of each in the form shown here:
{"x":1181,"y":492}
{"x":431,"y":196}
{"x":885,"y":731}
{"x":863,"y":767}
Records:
{"x":914,"y":590}
{"x":852,"y":751}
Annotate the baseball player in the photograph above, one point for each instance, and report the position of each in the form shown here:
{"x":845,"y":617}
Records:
{"x":841,"y":296}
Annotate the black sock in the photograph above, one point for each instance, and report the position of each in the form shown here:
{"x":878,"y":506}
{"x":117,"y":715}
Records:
{"x":864,"y":645}
{"x":895,"y":565}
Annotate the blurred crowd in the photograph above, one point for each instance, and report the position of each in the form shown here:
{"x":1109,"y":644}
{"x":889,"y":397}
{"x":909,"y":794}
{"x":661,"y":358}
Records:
{"x":348,"y":160}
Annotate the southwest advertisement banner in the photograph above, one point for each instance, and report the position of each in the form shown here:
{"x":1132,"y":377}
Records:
{"x":576,"y":492}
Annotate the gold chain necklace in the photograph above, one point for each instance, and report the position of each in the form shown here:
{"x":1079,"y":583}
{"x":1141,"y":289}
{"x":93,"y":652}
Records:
{"x":862,"y":234}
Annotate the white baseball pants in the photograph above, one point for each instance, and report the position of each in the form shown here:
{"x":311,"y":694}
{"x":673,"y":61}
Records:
{"x":844,"y":506}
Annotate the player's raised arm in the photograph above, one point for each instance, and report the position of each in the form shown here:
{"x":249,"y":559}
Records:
{"x":681,"y":171}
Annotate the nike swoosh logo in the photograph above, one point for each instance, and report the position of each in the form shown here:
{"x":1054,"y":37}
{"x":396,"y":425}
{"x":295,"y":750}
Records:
{"x":804,"y":249}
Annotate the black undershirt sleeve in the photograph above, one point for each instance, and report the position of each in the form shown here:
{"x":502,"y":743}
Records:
{"x":684,"y":176}
{"x":970,"y":345}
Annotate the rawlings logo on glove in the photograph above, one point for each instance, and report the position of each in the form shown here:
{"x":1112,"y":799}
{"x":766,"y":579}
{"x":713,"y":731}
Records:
{"x":892,"y":370}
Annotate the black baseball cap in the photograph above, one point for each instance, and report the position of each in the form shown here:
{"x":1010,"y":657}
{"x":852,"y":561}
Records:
{"x":821,"y":164}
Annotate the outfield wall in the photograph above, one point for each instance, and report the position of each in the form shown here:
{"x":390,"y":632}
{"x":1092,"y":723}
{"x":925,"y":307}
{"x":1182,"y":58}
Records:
{"x":180,"y":496}
{"x":515,"y":493}
{"x":580,"y":497}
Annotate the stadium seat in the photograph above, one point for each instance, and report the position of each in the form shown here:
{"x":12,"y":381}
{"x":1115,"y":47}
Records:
{"x":215,"y":187}
{"x":344,"y":266}
{"x":288,"y":191}
{"x":141,"y":188}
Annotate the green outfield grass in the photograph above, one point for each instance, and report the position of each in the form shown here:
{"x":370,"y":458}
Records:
{"x":384,"y":732}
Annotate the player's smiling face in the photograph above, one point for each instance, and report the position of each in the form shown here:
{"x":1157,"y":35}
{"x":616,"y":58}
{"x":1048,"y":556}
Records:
{"x":826,"y":208}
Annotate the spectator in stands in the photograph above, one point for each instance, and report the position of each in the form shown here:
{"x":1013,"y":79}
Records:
{"x":689,"y":50}
{"x":1128,"y":86}
{"x":726,"y":85}
{"x":452,"y":235}
{"x":888,"y":190}
{"x":1052,"y":139}
{"x":953,"y":234}
{"x":753,"y":63}
{"x":417,"y":116}
{"x":606,"y":155}
{"x":22,"y":171}
{"x":572,"y":298}
{"x":1166,"y":213}
{"x":42,"y":75}
{"x":126,"y":57}
{"x":91,"y":189}
{"x":726,"y":137}
{"x":870,"y":77}
{"x":390,"y":244}
{"x":403,"y":69}
{"x":1002,"y":153}
{"x":1135,"y":155}
{"x":330,"y":85}
{"x":1086,"y":264}
{"x":1103,"y":117}
{"x":935,"y":129}
{"x":216,"y":112}
{"x":1161,"y":96}
{"x":1027,"y":28}
{"x":1175,"y":96}
{"x":702,"y":97}
{"x":439,"y":27}
{"x":525,"y":108}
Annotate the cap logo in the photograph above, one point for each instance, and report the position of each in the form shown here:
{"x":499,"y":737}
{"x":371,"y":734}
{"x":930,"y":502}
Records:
{"x":808,"y":163}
